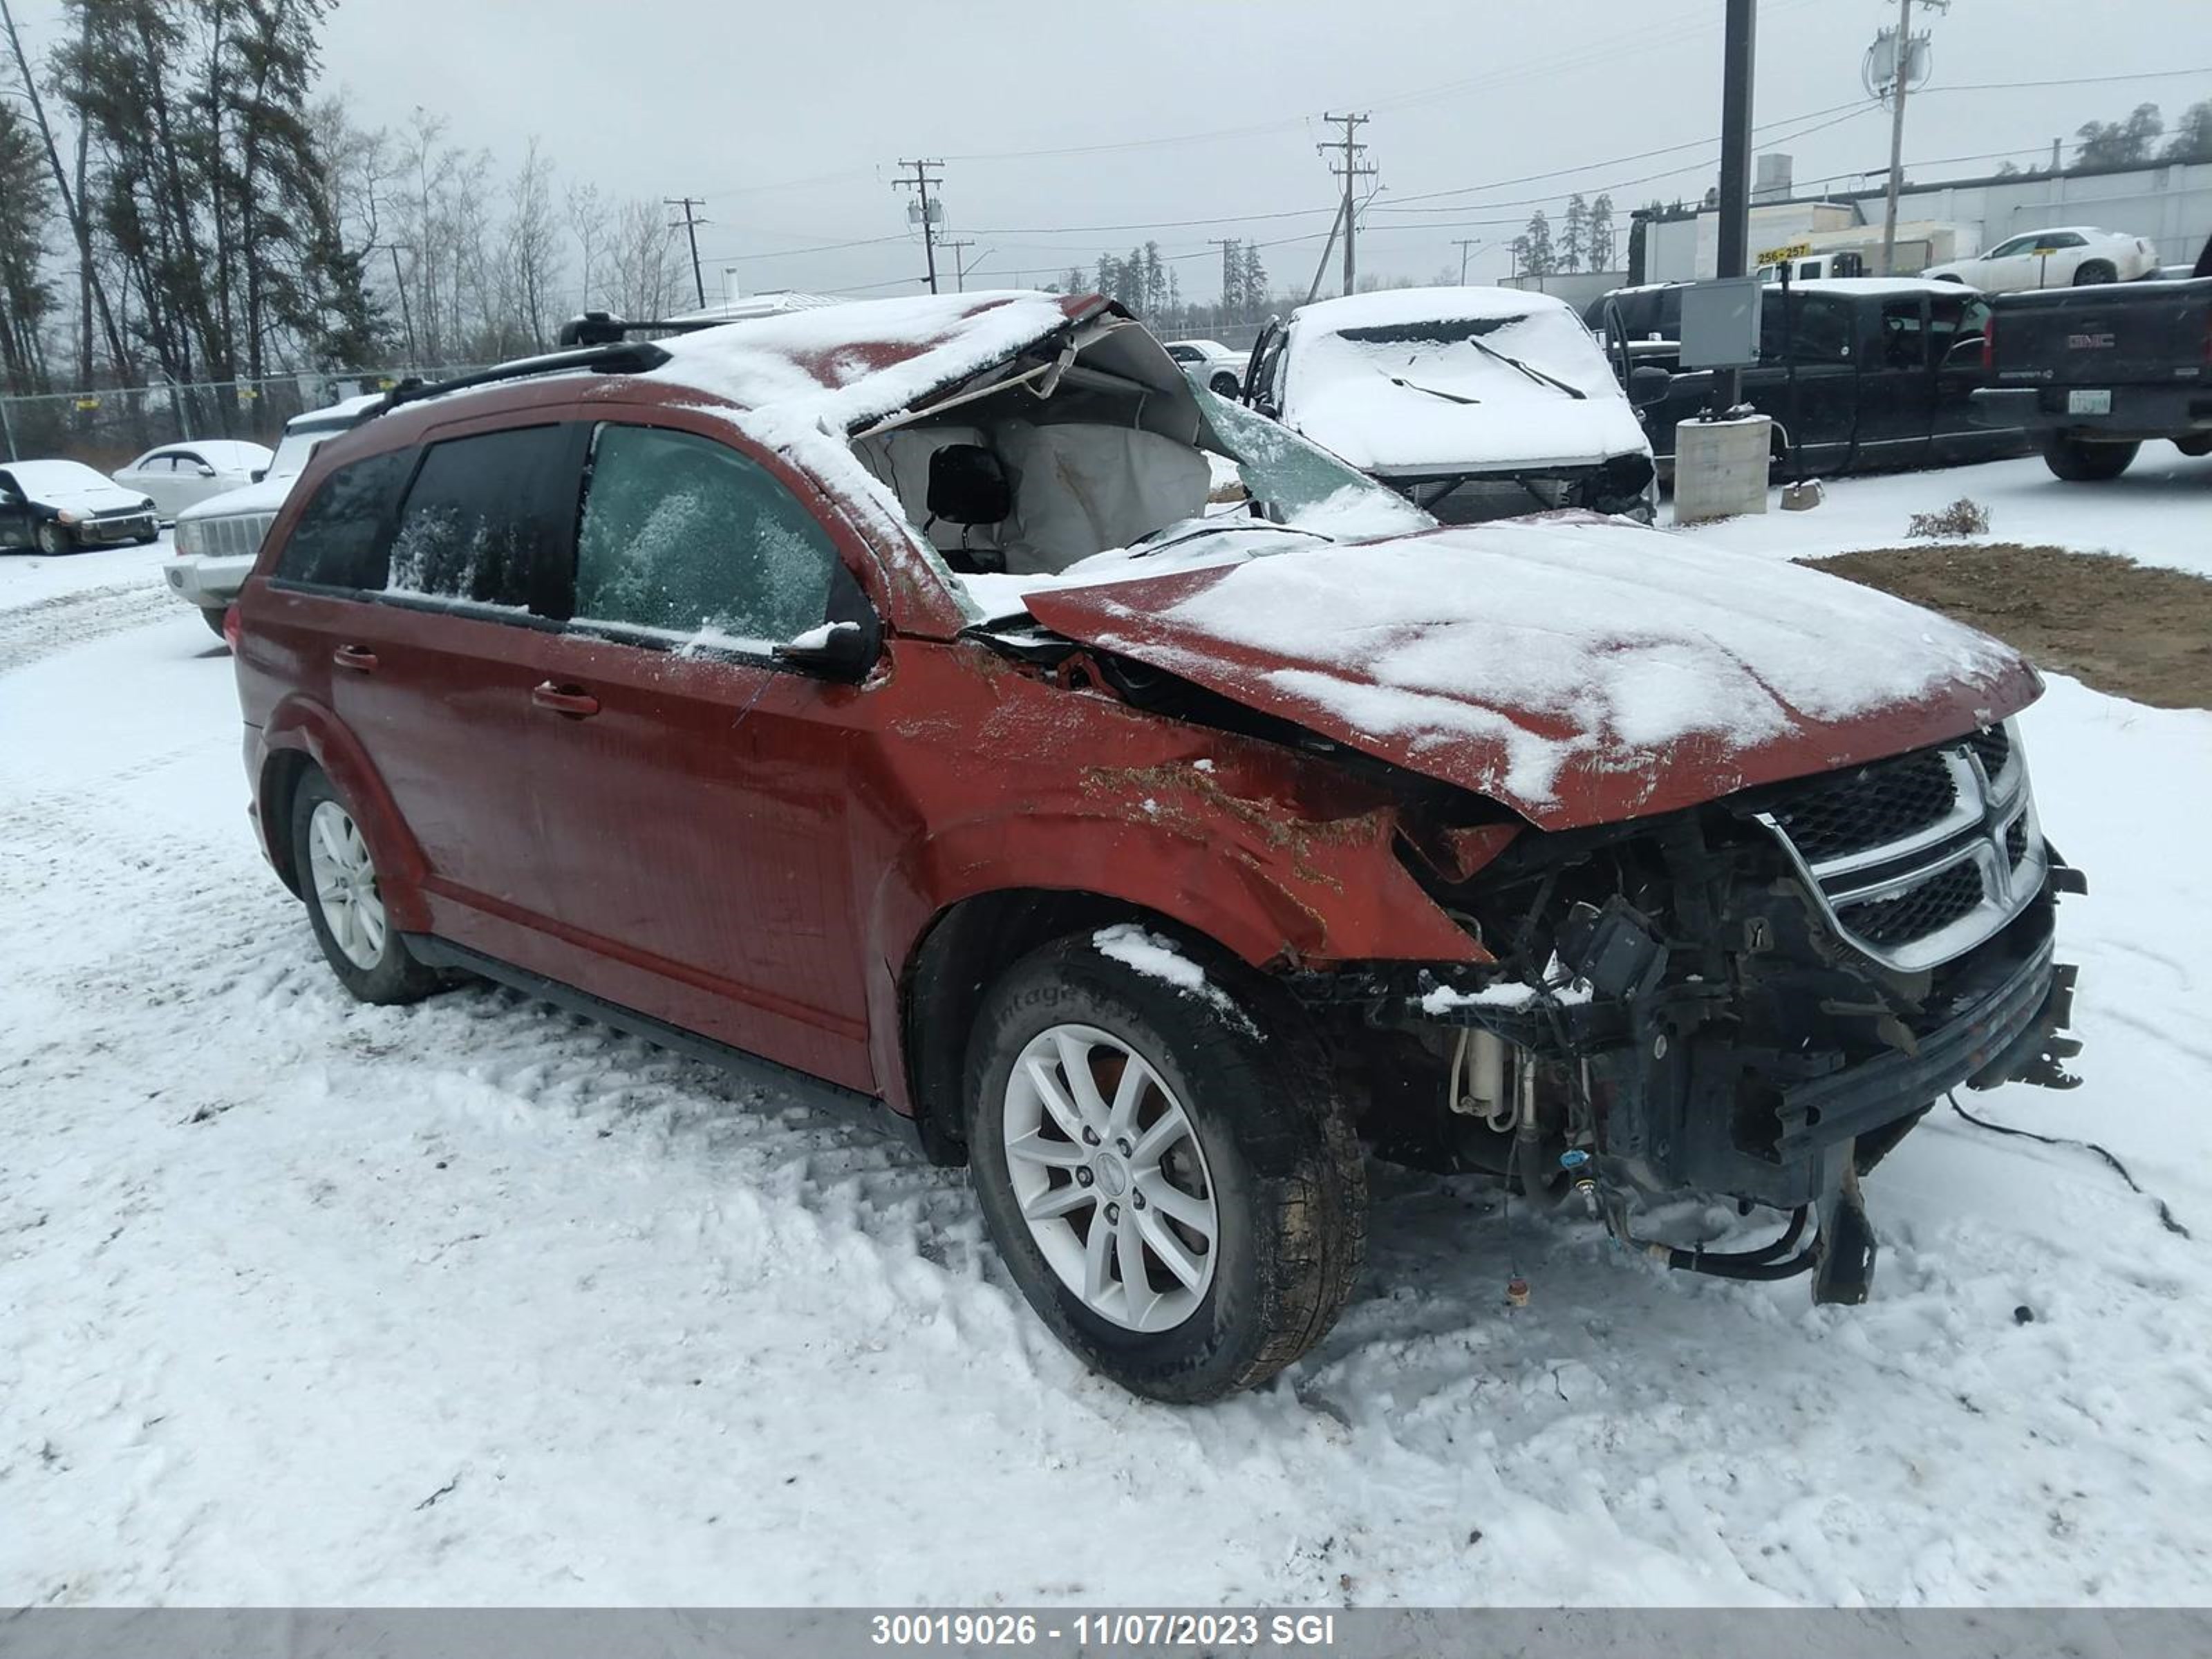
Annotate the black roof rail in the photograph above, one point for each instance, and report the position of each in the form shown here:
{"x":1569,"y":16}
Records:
{"x":605,"y":328}
{"x":621,"y":357}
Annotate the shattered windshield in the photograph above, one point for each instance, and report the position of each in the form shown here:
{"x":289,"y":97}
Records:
{"x":1304,"y":494}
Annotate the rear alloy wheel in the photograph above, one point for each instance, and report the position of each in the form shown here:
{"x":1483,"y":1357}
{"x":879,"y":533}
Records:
{"x":53,"y":538}
{"x":2080,"y":462}
{"x":346,"y":903}
{"x":2094,"y":271}
{"x":1166,"y":1171}
{"x":1225,"y":385}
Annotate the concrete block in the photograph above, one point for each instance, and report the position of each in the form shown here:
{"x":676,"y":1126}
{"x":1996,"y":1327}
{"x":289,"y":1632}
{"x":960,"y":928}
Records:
{"x":1720,"y":468}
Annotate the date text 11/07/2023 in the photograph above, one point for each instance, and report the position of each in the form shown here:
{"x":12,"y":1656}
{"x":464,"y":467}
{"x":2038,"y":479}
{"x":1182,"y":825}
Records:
{"x":1311,"y":1632}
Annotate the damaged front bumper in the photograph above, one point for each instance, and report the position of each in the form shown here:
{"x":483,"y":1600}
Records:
{"x":1668,"y":1099}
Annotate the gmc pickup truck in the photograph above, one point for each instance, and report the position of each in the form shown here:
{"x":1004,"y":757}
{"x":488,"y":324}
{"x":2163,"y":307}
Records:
{"x":2093,"y":373}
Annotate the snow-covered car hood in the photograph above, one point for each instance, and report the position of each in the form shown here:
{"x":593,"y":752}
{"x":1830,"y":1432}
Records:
{"x":88,"y":494}
{"x":264,"y":497}
{"x":1579,"y":669}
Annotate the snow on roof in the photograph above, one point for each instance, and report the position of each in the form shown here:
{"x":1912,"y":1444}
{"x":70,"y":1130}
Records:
{"x":1424,"y":305}
{"x":849,"y":363}
{"x":344,"y":412}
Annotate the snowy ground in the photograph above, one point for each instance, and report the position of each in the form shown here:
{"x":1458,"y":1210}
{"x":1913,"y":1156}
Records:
{"x":2159,"y":511}
{"x":307,"y":1303}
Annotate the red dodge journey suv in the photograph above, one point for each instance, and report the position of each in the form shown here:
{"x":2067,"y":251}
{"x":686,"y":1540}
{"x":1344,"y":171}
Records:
{"x":886,"y":698}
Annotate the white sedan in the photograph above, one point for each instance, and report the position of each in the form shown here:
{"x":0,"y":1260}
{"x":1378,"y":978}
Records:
{"x":2065,"y":256}
{"x":179,"y":475}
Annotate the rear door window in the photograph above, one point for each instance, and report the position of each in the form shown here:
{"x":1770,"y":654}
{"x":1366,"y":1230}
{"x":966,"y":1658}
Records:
{"x":684,"y":538}
{"x":1810,"y":328}
{"x":339,"y":539}
{"x":480,"y":516}
{"x":1901,"y":340}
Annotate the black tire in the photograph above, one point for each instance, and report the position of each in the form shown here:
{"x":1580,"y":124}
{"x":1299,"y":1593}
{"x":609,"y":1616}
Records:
{"x":1283,"y":1166}
{"x":214,"y":620}
{"x":55,"y":538}
{"x":395,"y":976}
{"x":2094,"y":271}
{"x":2080,"y":462}
{"x":1225,"y":385}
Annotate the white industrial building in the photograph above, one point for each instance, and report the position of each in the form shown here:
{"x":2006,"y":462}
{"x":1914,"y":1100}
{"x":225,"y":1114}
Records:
{"x":2171,"y":204}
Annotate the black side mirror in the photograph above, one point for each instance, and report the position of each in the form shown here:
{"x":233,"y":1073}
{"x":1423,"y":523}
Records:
{"x":835,"y":651}
{"x":1648,"y":384}
{"x":968,"y":486}
{"x":847,"y":643}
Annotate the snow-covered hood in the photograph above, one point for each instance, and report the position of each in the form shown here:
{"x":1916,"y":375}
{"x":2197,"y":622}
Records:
{"x":1394,"y":431}
{"x":266,"y":496}
{"x":1579,"y":669}
{"x":89,"y":494}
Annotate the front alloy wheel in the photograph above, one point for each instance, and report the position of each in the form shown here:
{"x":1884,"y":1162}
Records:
{"x":1163,"y":1163}
{"x":1111,"y":1177}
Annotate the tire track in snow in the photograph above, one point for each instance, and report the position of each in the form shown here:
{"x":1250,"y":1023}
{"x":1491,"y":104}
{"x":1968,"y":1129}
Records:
{"x":30,"y":633}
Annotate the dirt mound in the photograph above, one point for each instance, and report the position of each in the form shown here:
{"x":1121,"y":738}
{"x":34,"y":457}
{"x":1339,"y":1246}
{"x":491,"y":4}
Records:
{"x":2135,"y":630}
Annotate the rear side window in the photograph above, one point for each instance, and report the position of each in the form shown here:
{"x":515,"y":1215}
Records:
{"x":1812,"y":328}
{"x":337,"y":542}
{"x":479,"y":516}
{"x":682,"y":535}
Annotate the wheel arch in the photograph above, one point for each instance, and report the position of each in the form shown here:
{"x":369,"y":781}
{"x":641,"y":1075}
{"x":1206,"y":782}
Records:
{"x":303,"y":734}
{"x":965,"y":948}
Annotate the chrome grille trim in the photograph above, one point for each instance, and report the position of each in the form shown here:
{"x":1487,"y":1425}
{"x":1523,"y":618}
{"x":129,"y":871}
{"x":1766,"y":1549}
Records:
{"x":1983,"y":817}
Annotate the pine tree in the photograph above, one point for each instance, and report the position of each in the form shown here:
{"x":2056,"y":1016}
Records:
{"x":1598,"y":235}
{"x":1251,"y":284}
{"x":2192,"y":135}
{"x":26,"y":210}
{"x":1574,"y":234}
{"x":1533,"y":245}
{"x":2119,"y":143}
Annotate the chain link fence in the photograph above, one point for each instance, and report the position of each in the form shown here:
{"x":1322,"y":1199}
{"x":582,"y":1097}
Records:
{"x":108,"y":427}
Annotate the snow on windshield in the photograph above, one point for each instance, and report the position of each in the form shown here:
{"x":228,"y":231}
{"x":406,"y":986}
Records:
{"x":1461,"y":357}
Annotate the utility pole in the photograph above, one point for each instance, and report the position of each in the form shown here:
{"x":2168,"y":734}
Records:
{"x":920,"y":185}
{"x":1351,"y":171}
{"x":1896,"y":137}
{"x":1465,"y":245}
{"x":959,"y":267}
{"x":1738,"y":55}
{"x":691,"y":230}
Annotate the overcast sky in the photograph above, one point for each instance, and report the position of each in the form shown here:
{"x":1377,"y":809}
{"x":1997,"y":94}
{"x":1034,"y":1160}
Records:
{"x":790,"y":118}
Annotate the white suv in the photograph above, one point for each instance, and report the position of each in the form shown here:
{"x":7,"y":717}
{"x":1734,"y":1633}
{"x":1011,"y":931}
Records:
{"x":217,"y":540}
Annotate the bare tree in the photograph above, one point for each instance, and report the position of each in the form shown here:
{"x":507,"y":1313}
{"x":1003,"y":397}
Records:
{"x":644,"y":268}
{"x":531,"y":258}
{"x":587,"y":222}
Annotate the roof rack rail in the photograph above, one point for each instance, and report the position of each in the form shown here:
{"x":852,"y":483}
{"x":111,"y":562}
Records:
{"x":621,"y":357}
{"x":605,"y":328}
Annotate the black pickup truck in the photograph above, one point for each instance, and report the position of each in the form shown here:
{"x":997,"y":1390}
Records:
{"x":2094,"y":373}
{"x":1863,"y":374}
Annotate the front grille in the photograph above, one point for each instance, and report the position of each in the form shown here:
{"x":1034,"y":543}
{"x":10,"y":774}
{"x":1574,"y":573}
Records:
{"x":1994,"y":744}
{"x":238,"y":537}
{"x":1871,"y":807}
{"x":1917,"y":860}
{"x":1917,"y":911}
